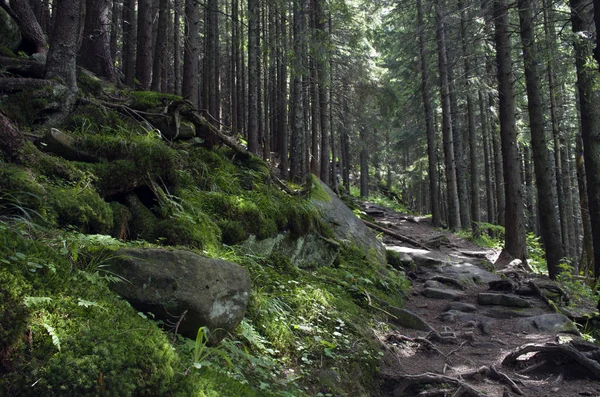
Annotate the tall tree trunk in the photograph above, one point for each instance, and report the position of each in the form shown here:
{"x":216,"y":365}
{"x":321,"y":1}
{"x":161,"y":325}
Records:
{"x":451,"y":182}
{"x":514,"y":220}
{"x":115,"y":25}
{"x":211,"y":74}
{"x":94,"y":54}
{"x":489,"y":188}
{"x":177,"y":46}
{"x":474,"y":165}
{"x":297,"y":143}
{"x":322,"y":74}
{"x":282,"y":108}
{"x":549,"y":225}
{"x":189,"y":88}
{"x":589,"y":100}
{"x":143,"y":64}
{"x":129,"y":41}
{"x":586,"y":262}
{"x":364,"y":163}
{"x":315,"y":131}
{"x":431,"y":152}
{"x":160,"y":49}
{"x":253,"y":81}
{"x":61,"y":63}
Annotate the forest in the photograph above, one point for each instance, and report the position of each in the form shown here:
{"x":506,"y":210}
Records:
{"x":222,"y":133}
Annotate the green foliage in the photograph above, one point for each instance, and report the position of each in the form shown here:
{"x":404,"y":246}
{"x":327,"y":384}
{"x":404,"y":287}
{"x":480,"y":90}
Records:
{"x":536,"y":256}
{"x":490,"y":235}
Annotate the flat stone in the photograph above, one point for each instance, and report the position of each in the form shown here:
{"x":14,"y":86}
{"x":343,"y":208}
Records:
{"x":489,"y":299}
{"x":407,"y":319}
{"x":461,"y":307}
{"x":468,"y":272}
{"x":436,"y":293}
{"x":449,"y":281}
{"x":434,"y":284}
{"x":482,"y":322}
{"x":547,"y":324}
{"x":508,"y":312}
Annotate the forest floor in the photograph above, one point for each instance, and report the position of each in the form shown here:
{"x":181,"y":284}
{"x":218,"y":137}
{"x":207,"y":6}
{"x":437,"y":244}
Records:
{"x":472,"y":345}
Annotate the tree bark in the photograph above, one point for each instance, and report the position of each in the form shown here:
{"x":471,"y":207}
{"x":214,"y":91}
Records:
{"x":323,"y":80}
{"x":253,"y":56}
{"x":489,"y":188}
{"x":297,"y":109}
{"x":514,"y":220}
{"x":177,"y":46}
{"x":129,"y":41}
{"x":160,"y":50}
{"x":589,"y":101}
{"x":94,"y":54}
{"x":61,"y":63}
{"x":431,"y":150}
{"x":549,"y":225}
{"x":190,"y":58}
{"x":11,"y":141}
{"x":586,"y":262}
{"x":29,"y":25}
{"x":451,"y":182}
{"x":143,"y":64}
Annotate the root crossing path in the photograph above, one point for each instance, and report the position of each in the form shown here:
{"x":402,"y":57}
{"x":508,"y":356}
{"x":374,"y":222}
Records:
{"x":468,"y":329}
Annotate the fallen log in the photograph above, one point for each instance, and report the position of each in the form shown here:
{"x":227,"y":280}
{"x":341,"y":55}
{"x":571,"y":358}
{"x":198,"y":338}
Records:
{"x":395,"y":235}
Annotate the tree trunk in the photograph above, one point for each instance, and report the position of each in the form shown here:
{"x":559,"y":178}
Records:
{"x":115,"y":25}
{"x":11,"y":141}
{"x":189,"y":88}
{"x":514,"y":222}
{"x":586,"y":262}
{"x":253,"y":57}
{"x":29,"y":25}
{"x":431,"y":152}
{"x":472,"y":134}
{"x":160,"y":49}
{"x":143,"y":64}
{"x":549,"y":225}
{"x":282,"y":109}
{"x":177,"y":46}
{"x":589,"y":101}
{"x":451,"y":182}
{"x":61,"y":63}
{"x":489,"y":188}
{"x":129,"y":41}
{"x":364,"y":163}
{"x":297,"y":112}
{"x":94,"y":54}
{"x":323,"y":40}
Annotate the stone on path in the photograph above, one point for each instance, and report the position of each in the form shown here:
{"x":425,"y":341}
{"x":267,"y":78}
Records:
{"x":436,"y":293}
{"x":482,"y":322}
{"x":489,"y":299}
{"x":461,"y":307}
{"x":508,"y":312}
{"x":407,"y":319}
{"x":434,"y":284}
{"x":547,"y":324}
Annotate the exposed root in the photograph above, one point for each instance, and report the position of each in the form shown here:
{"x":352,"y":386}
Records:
{"x":565,"y":354}
{"x":404,"y":382}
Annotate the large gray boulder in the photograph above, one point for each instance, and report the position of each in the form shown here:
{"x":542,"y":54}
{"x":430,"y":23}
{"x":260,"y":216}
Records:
{"x":346,"y":225}
{"x":547,"y":324}
{"x":10,"y":35}
{"x":211,"y":292}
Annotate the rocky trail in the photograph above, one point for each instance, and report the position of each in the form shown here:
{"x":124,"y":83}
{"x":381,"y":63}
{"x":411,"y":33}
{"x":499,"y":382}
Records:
{"x":469,"y":329}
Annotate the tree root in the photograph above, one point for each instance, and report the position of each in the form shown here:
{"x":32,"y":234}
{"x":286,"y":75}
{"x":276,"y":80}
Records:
{"x":404,"y":382}
{"x":567,"y":353}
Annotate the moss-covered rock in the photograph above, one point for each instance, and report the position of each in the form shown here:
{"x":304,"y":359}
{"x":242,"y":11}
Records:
{"x":81,"y":208}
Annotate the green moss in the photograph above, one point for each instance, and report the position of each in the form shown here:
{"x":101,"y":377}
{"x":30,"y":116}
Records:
{"x":145,"y":100}
{"x":81,"y":208}
{"x":315,"y":190}
{"x":7,"y":52}
{"x":24,"y":106}
{"x":88,"y":84}
{"x":21,"y":194}
{"x":94,"y":119}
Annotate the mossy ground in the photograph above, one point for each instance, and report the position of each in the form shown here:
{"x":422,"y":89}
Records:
{"x":62,"y":330}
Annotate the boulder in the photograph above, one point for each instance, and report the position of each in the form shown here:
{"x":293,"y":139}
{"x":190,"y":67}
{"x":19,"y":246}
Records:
{"x":547,"y":324}
{"x":488,"y":299}
{"x":10,"y":35}
{"x":346,"y":225}
{"x":181,"y":284}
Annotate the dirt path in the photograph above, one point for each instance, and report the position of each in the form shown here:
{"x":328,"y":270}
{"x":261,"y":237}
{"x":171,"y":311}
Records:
{"x":475,"y":317}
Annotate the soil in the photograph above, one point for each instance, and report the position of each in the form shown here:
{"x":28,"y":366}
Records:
{"x":466,"y":347}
